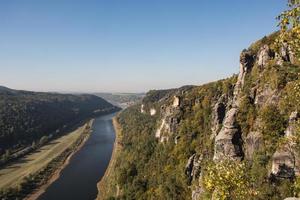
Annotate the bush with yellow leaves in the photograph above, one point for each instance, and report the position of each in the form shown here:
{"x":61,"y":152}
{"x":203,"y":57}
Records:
{"x":227,"y":180}
{"x":289,"y":22}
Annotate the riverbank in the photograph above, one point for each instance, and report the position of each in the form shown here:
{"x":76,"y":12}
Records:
{"x":105,"y":185}
{"x":56,"y":174}
{"x":28,"y":179}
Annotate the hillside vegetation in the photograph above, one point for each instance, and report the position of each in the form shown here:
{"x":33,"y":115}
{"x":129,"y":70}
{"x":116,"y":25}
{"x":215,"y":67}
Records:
{"x":29,"y":119}
{"x":232,"y":139}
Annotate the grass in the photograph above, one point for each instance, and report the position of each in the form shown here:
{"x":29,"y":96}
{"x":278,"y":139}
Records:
{"x":13,"y":174}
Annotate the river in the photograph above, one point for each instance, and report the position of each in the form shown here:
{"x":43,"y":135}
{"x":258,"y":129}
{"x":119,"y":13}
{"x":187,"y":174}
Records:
{"x":78,"y":180}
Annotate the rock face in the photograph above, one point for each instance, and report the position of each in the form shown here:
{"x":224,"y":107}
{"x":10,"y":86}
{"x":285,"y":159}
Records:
{"x":152,"y":111}
{"x":287,"y":54}
{"x":253,"y":143}
{"x":266,"y":96}
{"x":176,"y":102}
{"x":196,"y":193}
{"x":285,"y":162}
{"x":142,"y":108}
{"x":264,"y":55}
{"x":291,"y":129}
{"x":228,"y":143}
{"x":193,"y":168}
{"x":170,"y":118}
{"x":218,"y":115}
{"x":246,"y":64}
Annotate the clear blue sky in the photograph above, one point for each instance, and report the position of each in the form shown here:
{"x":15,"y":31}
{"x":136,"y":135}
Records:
{"x":126,"y":45}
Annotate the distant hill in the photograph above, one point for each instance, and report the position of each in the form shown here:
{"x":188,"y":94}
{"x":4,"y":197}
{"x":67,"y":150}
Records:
{"x":122,"y":100}
{"x":26,"y":116}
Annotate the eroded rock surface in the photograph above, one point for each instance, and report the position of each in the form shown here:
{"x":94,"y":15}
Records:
{"x":253,"y":143}
{"x":286,"y":162}
{"x":264,"y":56}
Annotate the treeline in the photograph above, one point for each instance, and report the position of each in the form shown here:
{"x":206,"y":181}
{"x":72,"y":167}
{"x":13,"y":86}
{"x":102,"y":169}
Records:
{"x":25,"y":117}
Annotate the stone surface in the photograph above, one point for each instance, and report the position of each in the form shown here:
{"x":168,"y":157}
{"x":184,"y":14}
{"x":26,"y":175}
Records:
{"x":218,"y":114}
{"x":287,"y":54}
{"x":253,"y":143}
{"x":264,"y":56}
{"x":176,"y":101}
{"x":142,"y":108}
{"x":291,"y":129}
{"x":152,"y":111}
{"x":228,"y":142}
{"x":193,"y":167}
{"x":196,"y":193}
{"x":285,"y":161}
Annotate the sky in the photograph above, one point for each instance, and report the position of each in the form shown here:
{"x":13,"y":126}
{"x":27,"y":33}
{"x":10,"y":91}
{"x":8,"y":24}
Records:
{"x":127,"y":45}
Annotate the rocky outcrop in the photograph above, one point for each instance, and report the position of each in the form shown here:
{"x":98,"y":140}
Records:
{"x":286,"y":55}
{"x":176,"y":101}
{"x":246,"y":64}
{"x":170,"y":118}
{"x":291,"y":129}
{"x":196,"y":193}
{"x":264,"y":56}
{"x":285,"y":161}
{"x":143,"y":108}
{"x":176,"y":140}
{"x":253,"y":143}
{"x":228,"y":143}
{"x":218,"y":114}
{"x":266,"y":96}
{"x":193,"y":168}
{"x":152,"y":111}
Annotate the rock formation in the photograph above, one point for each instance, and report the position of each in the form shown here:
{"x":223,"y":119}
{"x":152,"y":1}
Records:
{"x":264,"y":55}
{"x":228,"y":142}
{"x":286,"y":162}
{"x":253,"y":143}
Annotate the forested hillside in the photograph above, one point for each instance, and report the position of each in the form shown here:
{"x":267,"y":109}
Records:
{"x":27,"y":118}
{"x":236,"y":138}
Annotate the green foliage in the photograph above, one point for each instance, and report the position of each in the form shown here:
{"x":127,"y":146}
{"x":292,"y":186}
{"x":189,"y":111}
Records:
{"x":272,"y":126}
{"x":229,"y":180}
{"x":26,"y":117}
{"x":289,"y":22}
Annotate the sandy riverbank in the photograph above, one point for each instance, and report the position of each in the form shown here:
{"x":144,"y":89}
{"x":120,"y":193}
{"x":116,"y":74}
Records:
{"x":39,"y":191}
{"x":104,"y":185}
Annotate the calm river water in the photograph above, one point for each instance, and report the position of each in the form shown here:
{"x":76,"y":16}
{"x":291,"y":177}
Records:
{"x":78,"y":180}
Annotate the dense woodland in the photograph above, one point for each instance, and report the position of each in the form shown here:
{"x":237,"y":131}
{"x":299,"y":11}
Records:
{"x":28,"y":119}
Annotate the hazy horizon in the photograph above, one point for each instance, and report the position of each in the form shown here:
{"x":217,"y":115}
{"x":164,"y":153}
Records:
{"x":132,"y":46}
